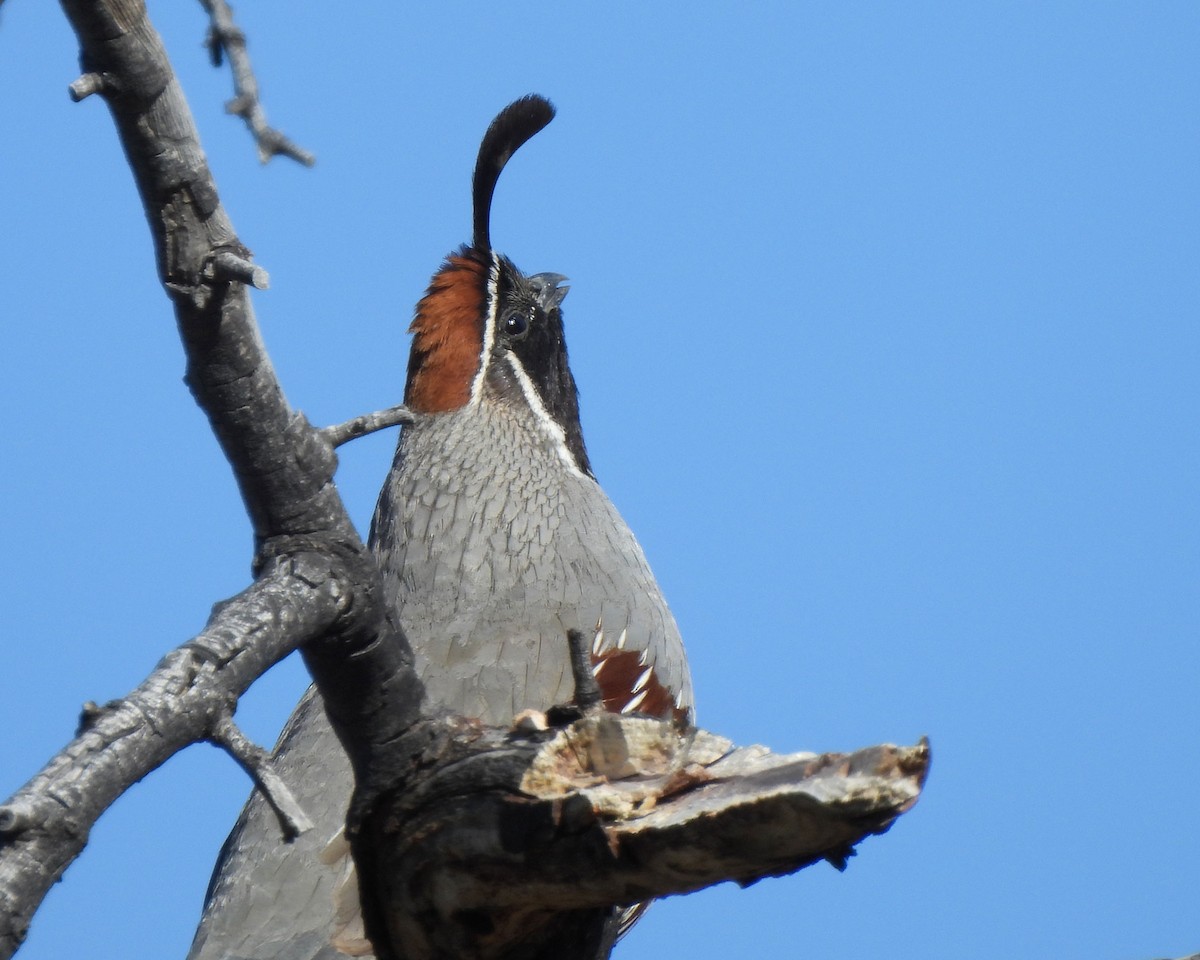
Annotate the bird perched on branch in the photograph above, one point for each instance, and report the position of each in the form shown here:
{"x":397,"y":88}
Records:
{"x":496,"y":540}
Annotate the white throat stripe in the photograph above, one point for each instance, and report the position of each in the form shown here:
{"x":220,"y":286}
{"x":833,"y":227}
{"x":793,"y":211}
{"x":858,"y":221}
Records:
{"x":489,"y":328}
{"x":546,"y":422}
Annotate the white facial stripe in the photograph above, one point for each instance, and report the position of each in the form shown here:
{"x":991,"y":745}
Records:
{"x":489,"y":328}
{"x":545,"y":421}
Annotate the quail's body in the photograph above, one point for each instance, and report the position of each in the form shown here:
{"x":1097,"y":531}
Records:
{"x":499,"y":545}
{"x":495,"y":540}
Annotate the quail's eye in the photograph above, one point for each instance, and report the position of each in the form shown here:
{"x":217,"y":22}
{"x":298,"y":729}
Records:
{"x":515,"y":325}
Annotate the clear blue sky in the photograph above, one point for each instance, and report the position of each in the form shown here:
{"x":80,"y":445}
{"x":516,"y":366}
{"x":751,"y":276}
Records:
{"x":885,"y":318}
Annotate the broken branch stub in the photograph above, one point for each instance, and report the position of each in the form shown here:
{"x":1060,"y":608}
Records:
{"x":505,"y":846}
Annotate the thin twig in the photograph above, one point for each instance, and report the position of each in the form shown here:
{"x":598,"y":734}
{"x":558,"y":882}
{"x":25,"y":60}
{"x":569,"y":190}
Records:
{"x":257,"y":762}
{"x":368,"y":423}
{"x":224,"y":36}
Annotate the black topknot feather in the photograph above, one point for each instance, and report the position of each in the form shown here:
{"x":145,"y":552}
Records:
{"x":515,"y":124}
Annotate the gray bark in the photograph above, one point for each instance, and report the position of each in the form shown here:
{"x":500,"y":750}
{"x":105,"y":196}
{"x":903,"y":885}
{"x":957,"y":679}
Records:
{"x":497,"y":847}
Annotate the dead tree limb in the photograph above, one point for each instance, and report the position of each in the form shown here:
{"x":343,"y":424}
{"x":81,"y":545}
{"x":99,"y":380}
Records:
{"x":45,"y":825}
{"x":316,"y":582}
{"x":497,"y":847}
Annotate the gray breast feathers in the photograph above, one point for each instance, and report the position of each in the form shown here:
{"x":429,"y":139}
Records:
{"x":496,"y":545}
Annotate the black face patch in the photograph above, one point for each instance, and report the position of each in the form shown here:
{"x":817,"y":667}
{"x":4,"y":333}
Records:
{"x":533,"y":336}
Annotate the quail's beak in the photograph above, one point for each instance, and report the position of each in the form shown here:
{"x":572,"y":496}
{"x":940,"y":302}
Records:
{"x":549,"y":293}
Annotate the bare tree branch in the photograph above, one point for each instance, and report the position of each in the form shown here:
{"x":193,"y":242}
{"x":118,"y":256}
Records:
{"x":317,"y":582}
{"x":225,"y":37}
{"x":367,"y":423}
{"x":45,"y":824}
{"x":284,"y":467}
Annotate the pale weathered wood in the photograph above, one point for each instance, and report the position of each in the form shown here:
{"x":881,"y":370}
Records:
{"x":504,"y":846}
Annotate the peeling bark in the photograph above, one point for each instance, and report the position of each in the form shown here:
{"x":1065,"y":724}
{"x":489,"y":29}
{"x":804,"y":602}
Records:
{"x":501,"y":846}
